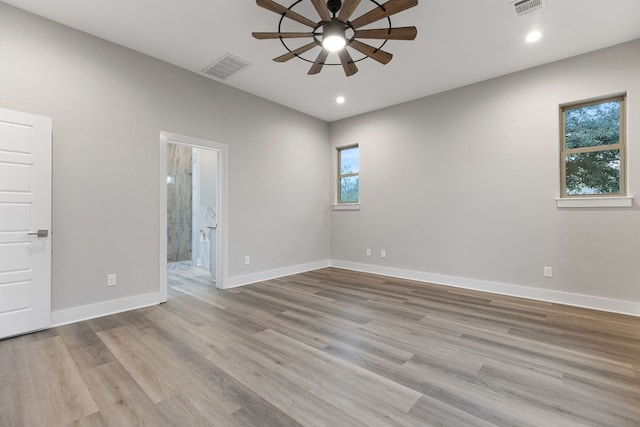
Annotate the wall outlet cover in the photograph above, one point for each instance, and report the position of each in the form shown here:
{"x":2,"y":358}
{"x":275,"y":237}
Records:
{"x":111,"y":279}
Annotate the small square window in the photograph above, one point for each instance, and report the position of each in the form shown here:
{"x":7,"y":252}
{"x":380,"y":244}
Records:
{"x":592,"y":154}
{"x":348,"y":174}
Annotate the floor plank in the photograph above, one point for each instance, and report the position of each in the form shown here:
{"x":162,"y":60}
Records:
{"x":328,"y":347}
{"x":41,"y":382}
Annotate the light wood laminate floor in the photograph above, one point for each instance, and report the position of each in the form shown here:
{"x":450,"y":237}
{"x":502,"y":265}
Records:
{"x":328,"y":348}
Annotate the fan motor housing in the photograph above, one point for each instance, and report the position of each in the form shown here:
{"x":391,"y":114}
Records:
{"x":334,"y":6}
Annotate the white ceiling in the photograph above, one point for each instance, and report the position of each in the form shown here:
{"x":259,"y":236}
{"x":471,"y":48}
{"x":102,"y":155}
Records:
{"x":459,"y":42}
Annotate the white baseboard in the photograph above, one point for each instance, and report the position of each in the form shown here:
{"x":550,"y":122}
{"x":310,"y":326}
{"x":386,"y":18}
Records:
{"x":86,"y":312}
{"x":91,"y":311}
{"x":577,"y":300}
{"x":234,"y":282}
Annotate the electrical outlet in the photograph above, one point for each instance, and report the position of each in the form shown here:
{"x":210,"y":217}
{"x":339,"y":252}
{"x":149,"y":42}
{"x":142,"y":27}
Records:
{"x":247,"y":260}
{"x":111,"y":279}
{"x":368,"y":252}
{"x":548,"y":272}
{"x":383,"y":253}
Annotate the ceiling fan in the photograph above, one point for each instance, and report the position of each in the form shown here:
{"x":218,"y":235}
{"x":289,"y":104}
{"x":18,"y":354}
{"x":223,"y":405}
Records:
{"x":335,"y":31}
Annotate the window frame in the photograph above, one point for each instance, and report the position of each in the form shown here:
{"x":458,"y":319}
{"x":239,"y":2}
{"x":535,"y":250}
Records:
{"x":340,"y":175}
{"x":621,"y":146}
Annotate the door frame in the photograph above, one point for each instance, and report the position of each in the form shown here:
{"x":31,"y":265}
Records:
{"x":222,"y":209}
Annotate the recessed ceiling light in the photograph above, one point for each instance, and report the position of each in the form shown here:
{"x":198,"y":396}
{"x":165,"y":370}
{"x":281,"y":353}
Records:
{"x":340,"y":100}
{"x":533,"y":36}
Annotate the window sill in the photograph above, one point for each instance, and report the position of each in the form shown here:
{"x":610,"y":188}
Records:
{"x":346,"y":207}
{"x":595,"y":202}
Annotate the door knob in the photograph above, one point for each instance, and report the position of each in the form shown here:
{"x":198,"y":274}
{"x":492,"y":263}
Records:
{"x":40,"y":233}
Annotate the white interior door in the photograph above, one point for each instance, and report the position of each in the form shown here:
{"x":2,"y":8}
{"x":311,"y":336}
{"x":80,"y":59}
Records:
{"x":25,"y":221}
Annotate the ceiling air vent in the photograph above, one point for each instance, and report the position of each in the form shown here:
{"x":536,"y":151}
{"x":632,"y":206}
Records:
{"x":225,"y":67}
{"x":522,"y":7}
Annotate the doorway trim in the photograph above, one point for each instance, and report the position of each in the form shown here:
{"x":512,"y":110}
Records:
{"x":222,"y":242}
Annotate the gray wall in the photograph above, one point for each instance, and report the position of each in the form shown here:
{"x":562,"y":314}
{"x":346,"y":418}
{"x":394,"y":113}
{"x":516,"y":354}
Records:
{"x":464,"y":183}
{"x":109,"y":105}
{"x":461,"y":183}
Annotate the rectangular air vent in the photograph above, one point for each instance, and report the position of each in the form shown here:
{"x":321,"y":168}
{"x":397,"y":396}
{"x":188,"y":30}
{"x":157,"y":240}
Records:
{"x":225,"y":67}
{"x":522,"y":7}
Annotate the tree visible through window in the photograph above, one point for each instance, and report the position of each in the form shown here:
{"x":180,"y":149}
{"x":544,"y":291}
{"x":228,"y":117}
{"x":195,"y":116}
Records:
{"x":593,"y":148}
{"x":348,"y":174}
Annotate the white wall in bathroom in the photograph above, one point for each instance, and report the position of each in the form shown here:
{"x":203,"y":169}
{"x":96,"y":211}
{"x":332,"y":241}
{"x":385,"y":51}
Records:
{"x":205,"y":200}
{"x":208,"y":187}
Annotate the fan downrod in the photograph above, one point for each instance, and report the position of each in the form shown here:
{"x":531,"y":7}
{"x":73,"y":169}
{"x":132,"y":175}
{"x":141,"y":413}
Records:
{"x":334,"y":6}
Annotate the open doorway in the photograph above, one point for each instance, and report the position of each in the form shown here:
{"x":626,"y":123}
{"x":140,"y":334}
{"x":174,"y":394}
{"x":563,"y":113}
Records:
{"x":192,"y":193}
{"x":192,"y":212}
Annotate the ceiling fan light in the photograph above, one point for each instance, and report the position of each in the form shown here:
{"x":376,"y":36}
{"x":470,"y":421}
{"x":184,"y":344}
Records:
{"x":333,"y":43}
{"x":333,"y":35}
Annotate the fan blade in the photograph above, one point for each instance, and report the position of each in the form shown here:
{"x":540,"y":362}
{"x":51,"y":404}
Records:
{"x":389,"y":8}
{"x":400,"y":33}
{"x":348,"y":7}
{"x":281,"y":10}
{"x":290,"y":55}
{"x":347,"y":62}
{"x":263,"y":36}
{"x":321,"y":8}
{"x":317,"y":66}
{"x":379,"y":55}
